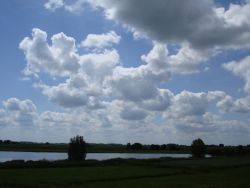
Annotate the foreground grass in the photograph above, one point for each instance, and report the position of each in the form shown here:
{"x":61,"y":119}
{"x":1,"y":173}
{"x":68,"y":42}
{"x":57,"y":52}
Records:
{"x":220,"y":172}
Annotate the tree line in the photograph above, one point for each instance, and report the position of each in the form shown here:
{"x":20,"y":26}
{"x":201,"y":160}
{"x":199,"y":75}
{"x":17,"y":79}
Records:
{"x":77,"y":148}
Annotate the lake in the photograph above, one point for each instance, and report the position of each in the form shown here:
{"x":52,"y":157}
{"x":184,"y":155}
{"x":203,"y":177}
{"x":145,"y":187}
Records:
{"x":10,"y":155}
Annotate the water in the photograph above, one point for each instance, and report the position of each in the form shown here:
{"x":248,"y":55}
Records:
{"x":10,"y":155}
{"x":104,"y":156}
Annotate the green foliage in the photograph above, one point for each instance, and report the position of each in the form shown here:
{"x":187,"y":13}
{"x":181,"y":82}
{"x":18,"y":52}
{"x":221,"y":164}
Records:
{"x":136,"y":146}
{"x":198,"y":148}
{"x":77,"y":149}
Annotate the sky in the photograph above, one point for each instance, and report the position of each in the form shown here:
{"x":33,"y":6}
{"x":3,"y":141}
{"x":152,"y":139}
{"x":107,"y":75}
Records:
{"x":148,"y":71}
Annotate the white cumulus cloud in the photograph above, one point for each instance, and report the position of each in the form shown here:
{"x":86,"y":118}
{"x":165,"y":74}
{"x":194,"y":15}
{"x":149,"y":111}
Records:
{"x":101,"y":40}
{"x":59,"y":59}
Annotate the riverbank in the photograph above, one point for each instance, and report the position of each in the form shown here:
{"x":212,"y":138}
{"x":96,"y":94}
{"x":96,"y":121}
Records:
{"x":227,"y":172}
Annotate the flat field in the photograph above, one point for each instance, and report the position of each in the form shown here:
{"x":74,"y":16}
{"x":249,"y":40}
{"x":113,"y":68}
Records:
{"x":129,"y":173}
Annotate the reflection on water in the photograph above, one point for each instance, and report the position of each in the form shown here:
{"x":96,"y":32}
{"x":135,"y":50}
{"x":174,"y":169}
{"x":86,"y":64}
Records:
{"x":104,"y":156}
{"x":9,"y":155}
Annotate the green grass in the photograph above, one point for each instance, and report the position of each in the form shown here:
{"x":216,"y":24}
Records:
{"x":205,"y":173}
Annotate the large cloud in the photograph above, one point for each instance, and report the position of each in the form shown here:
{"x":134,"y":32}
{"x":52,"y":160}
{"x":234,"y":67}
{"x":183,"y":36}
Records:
{"x":14,"y":104}
{"x":90,"y":77}
{"x":18,"y":112}
{"x":202,"y":24}
{"x":84,"y":73}
{"x":131,"y":84}
{"x":98,"y":77}
{"x":85,"y":87}
{"x":59,"y":59}
{"x":229,"y":105}
{"x":185,"y":61}
{"x":188,"y":104}
{"x":200,"y":29}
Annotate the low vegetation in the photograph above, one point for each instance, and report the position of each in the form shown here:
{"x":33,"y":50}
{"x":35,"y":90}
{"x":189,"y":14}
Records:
{"x":230,"y":172}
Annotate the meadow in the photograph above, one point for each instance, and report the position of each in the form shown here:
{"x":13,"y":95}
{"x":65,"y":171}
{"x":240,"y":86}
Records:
{"x":232,"y":172}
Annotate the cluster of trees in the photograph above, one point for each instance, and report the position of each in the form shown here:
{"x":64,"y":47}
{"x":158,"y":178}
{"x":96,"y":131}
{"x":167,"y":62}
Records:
{"x":198,"y":148}
{"x":166,"y":147}
{"x":77,"y":149}
{"x":169,"y":147}
{"x":135,"y":146}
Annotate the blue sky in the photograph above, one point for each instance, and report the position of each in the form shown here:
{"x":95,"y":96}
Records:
{"x":145,"y":71}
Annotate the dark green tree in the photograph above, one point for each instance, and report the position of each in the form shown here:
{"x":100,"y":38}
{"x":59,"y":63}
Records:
{"x":136,"y":146}
{"x":198,"y":148}
{"x":77,"y":149}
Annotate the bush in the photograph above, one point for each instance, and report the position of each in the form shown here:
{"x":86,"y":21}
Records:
{"x":198,"y":148}
{"x":77,"y":149}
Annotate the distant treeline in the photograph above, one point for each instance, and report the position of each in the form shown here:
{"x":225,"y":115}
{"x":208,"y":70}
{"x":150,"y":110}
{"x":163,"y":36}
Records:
{"x":15,"y":142}
{"x":8,"y":142}
{"x":168,"y":147}
{"x":221,"y":150}
{"x":214,"y":150}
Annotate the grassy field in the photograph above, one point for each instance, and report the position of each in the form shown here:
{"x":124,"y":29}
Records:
{"x":205,"y":173}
